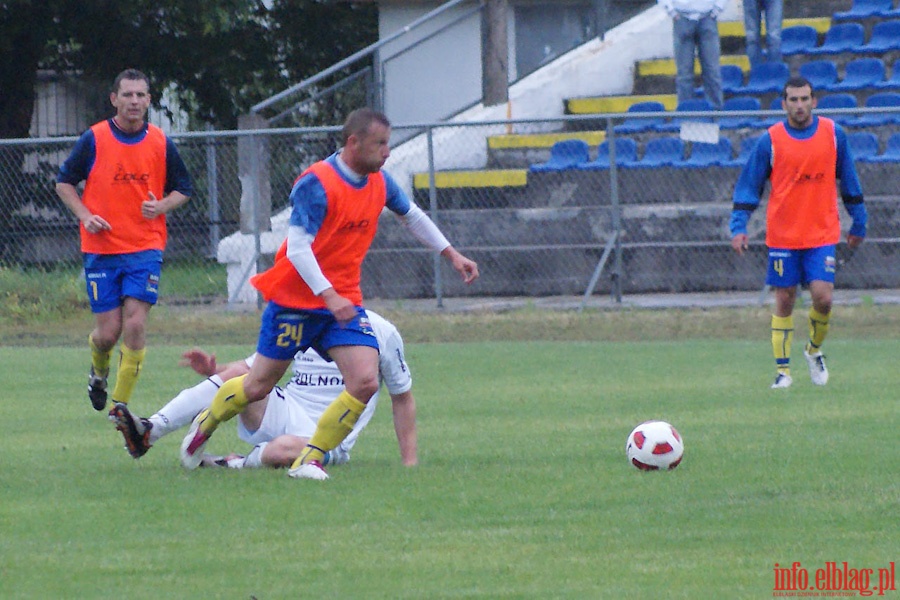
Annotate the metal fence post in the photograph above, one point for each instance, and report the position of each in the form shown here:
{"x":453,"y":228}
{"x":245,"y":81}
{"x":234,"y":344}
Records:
{"x":433,"y":209}
{"x":616,"y":207}
{"x":212,"y":184}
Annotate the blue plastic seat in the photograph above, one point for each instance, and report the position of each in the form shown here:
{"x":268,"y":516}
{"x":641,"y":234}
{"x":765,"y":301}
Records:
{"x":766,"y":77}
{"x":860,"y":74}
{"x":766,"y":122}
{"x":739,"y":103}
{"x":838,"y":101}
{"x":863,"y":145}
{"x":820,"y":73}
{"x":842,"y":37}
{"x":660,"y":152}
{"x":564,"y":155}
{"x":885,"y":37}
{"x":626,"y":153}
{"x":798,"y":39}
{"x":891,"y":151}
{"x":747,"y":147}
{"x":892,"y":82}
{"x":641,"y":125}
{"x":732,"y":78}
{"x":861,"y":9}
{"x":694,"y":105}
{"x":880,"y":100}
{"x":709,"y":155}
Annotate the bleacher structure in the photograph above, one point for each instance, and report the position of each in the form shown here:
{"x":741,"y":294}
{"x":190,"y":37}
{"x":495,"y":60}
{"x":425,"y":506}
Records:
{"x":850,"y":56}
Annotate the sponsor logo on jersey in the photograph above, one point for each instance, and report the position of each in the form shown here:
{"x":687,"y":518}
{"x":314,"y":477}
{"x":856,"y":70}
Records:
{"x":318,"y":380}
{"x":801,"y":177}
{"x":123,"y":176}
{"x":152,"y":284}
{"x":365,"y":326}
{"x":353,"y":225}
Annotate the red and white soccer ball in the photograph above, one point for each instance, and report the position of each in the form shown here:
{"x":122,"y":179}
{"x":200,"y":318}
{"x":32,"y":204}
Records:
{"x":654,"y":445}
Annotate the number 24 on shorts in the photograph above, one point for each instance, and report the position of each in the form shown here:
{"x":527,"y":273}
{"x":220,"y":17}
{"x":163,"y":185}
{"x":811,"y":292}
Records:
{"x":290,"y":335}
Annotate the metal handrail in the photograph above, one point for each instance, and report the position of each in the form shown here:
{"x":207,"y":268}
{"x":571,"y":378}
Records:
{"x":297,"y":106}
{"x":365,"y":52}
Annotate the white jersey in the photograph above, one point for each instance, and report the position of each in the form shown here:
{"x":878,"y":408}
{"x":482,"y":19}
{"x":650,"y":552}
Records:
{"x":315,"y":383}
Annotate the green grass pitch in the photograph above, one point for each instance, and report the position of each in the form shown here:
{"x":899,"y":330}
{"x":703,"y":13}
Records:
{"x":523,"y":490}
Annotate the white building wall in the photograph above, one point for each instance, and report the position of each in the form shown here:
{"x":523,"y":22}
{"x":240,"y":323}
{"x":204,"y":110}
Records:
{"x":439,"y":74}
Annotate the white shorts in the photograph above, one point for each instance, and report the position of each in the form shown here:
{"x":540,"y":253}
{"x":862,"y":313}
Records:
{"x":282,"y":417}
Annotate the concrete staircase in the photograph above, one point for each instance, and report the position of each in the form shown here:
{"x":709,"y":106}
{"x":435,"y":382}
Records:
{"x":674,"y":220}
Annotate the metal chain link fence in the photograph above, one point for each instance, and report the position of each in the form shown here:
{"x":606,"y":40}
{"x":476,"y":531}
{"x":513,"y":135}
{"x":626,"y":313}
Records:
{"x":499,"y":190}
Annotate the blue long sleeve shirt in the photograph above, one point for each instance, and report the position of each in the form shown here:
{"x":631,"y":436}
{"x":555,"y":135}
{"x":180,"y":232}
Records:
{"x":751,"y":183}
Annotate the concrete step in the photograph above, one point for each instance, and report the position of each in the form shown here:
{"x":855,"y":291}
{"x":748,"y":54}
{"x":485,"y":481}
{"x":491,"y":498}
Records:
{"x":615,"y":104}
{"x":542,"y":140}
{"x":522,"y":150}
{"x":474,"y":179}
{"x":666,"y":66}
{"x":736,"y":28}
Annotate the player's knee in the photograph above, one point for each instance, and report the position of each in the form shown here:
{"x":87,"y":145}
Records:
{"x":105,"y":339}
{"x":822,"y":300}
{"x":823,"y":306}
{"x":135,"y":326}
{"x":284,"y":450}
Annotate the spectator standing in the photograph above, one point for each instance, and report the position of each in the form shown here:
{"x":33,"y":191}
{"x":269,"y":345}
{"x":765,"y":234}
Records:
{"x":695,"y":31}
{"x":753,"y":15}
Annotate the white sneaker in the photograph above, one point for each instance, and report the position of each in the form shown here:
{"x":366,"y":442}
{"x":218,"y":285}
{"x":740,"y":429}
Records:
{"x":232,"y":461}
{"x":194,"y":443}
{"x":310,"y":470}
{"x":782,"y":380}
{"x":818,"y":372}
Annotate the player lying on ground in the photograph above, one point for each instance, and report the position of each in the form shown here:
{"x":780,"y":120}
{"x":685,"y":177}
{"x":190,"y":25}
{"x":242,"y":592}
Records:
{"x":279,"y":426}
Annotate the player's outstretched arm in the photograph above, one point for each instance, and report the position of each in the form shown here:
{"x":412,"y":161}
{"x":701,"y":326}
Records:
{"x":466,"y":267}
{"x":425,"y":230}
{"x":204,"y":364}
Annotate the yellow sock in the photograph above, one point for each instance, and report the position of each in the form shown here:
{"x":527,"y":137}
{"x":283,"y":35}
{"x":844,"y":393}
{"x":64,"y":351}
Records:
{"x":334,"y":425}
{"x":229,"y":401}
{"x":782,"y":335}
{"x":99,"y":358}
{"x":818,"y":329}
{"x":130,"y":362}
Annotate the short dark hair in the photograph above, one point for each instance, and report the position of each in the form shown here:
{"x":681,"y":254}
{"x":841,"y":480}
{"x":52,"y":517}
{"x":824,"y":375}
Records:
{"x":132,"y":74}
{"x":359,"y":120}
{"x":797,"y":82}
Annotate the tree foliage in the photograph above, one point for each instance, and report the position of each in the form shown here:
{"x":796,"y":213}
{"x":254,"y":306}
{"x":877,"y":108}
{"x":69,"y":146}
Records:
{"x":217,"y":57}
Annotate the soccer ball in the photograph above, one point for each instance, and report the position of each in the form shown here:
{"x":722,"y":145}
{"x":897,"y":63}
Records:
{"x":654,"y":445}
